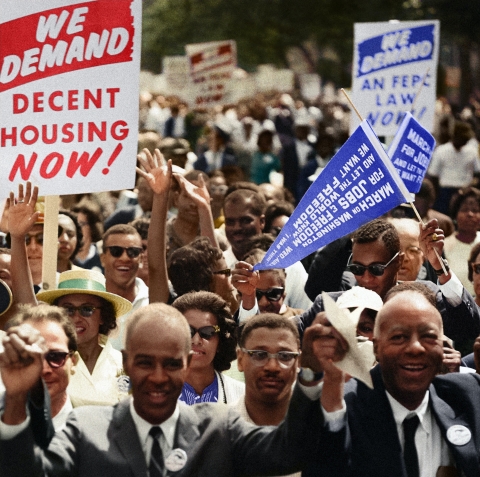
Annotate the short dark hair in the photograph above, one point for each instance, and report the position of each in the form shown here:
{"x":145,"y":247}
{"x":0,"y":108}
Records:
{"x":378,"y":229}
{"x":209,"y":302}
{"x":256,"y":200}
{"x":275,"y":210}
{"x":78,"y":229}
{"x":43,"y":312}
{"x":460,"y":197}
{"x":256,"y":255}
{"x":94,"y":218}
{"x":261,"y":241}
{"x":267,"y":320}
{"x":119,"y":229}
{"x":141,"y":226}
{"x":191,"y":267}
{"x":412,"y":286}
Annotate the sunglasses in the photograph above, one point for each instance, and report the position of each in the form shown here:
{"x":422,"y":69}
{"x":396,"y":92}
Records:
{"x":56,"y":359}
{"x":37,"y":237}
{"x":377,"y":269}
{"x":272,"y":294}
{"x":260,"y":357}
{"x":205,"y":332}
{"x":84,"y":310}
{"x":227,"y":272}
{"x":476,"y":268}
{"x":117,"y":251}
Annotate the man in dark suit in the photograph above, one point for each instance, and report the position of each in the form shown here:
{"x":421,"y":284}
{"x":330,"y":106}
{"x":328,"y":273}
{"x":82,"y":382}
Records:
{"x":201,"y":440}
{"x":367,"y":425}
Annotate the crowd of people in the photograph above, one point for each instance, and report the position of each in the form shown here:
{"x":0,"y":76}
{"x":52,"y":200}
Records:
{"x":162,"y":351}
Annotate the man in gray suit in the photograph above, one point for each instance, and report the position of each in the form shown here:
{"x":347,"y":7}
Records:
{"x":201,"y":440}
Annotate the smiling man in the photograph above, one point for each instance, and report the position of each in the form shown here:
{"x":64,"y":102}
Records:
{"x":413,"y":422}
{"x":121,"y":257}
{"x":202,"y":440}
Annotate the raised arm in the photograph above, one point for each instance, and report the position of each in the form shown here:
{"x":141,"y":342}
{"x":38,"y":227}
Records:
{"x":159,"y":179}
{"x":21,"y":218}
{"x":199,"y":194}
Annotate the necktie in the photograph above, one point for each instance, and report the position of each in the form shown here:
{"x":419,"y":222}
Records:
{"x":410,"y":456}
{"x":156,"y":466}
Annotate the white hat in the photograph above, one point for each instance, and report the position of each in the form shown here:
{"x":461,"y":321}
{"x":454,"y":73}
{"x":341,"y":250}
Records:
{"x":359,"y":297}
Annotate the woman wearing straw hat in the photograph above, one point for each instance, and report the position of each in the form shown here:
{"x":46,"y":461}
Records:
{"x":99,"y":378}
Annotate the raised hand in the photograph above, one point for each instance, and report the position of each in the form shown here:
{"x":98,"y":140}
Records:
{"x":21,"y":210}
{"x":432,"y":238}
{"x":158,"y":176}
{"x":245,"y":280}
{"x":21,"y":360}
{"x":198,"y":193}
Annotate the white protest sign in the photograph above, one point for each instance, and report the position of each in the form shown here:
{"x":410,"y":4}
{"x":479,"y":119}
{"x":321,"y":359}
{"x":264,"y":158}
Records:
{"x":69,"y":94}
{"x":211,"y":67}
{"x":390,"y":62}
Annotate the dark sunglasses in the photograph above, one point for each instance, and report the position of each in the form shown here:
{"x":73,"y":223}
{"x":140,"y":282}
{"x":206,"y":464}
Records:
{"x":37,"y":237}
{"x":205,"y":332}
{"x":377,"y":269}
{"x":117,"y":251}
{"x":476,"y":268}
{"x":272,"y":294}
{"x":84,"y":310}
{"x":56,"y":359}
{"x":227,"y":272}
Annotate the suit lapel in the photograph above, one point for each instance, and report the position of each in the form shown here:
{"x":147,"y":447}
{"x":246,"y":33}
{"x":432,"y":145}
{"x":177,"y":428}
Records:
{"x":466,"y":455}
{"x":126,"y":436}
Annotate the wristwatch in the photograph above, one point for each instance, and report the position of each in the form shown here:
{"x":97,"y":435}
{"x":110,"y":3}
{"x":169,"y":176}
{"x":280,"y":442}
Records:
{"x":447,"y":268}
{"x":309,"y":376}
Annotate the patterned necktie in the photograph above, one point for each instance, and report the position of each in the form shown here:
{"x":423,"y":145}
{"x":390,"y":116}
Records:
{"x":156,"y":466}
{"x":410,"y":456}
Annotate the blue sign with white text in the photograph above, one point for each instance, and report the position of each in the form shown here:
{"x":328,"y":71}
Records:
{"x":397,"y":48}
{"x":411,"y":151}
{"x":358,"y":185}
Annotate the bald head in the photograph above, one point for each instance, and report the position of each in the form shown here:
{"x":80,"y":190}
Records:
{"x":158,"y":317}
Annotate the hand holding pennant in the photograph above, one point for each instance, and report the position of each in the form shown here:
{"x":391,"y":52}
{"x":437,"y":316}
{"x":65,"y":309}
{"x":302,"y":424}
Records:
{"x":358,"y":185}
{"x":359,"y":358}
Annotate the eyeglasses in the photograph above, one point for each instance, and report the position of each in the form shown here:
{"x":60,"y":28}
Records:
{"x":117,"y":251}
{"x":227,"y":272}
{"x":260,"y":357}
{"x":413,"y":251}
{"x":56,"y":359}
{"x":84,"y":310}
{"x":37,"y":237}
{"x":272,"y":294}
{"x":376,"y":269}
{"x":476,"y":268}
{"x":205,"y":332}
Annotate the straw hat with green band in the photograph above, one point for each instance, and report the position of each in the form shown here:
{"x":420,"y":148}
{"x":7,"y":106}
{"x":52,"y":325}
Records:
{"x":86,"y":282}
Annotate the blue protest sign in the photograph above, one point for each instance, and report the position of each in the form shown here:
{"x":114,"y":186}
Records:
{"x":358,"y":185}
{"x":411,"y":151}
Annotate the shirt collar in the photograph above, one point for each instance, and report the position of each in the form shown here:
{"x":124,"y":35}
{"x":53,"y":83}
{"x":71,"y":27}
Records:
{"x":401,"y":412}
{"x":143,"y":427}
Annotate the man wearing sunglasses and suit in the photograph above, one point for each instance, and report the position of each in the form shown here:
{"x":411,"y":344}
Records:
{"x":121,"y":258}
{"x":375,"y":261}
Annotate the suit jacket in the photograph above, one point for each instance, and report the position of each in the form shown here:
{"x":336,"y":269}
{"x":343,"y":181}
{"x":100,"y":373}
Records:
{"x":228,"y":159}
{"x":103,"y":441}
{"x":461,"y":323}
{"x":369,"y":445}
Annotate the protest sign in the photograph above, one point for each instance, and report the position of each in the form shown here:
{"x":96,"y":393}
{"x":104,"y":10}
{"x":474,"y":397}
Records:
{"x":211,"y":67}
{"x":411,"y":151}
{"x":69,"y":74}
{"x":391,"y":59}
{"x":358,"y":185}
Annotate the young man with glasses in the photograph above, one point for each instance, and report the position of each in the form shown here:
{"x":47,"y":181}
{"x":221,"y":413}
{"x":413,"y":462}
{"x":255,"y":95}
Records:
{"x":268,"y":354}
